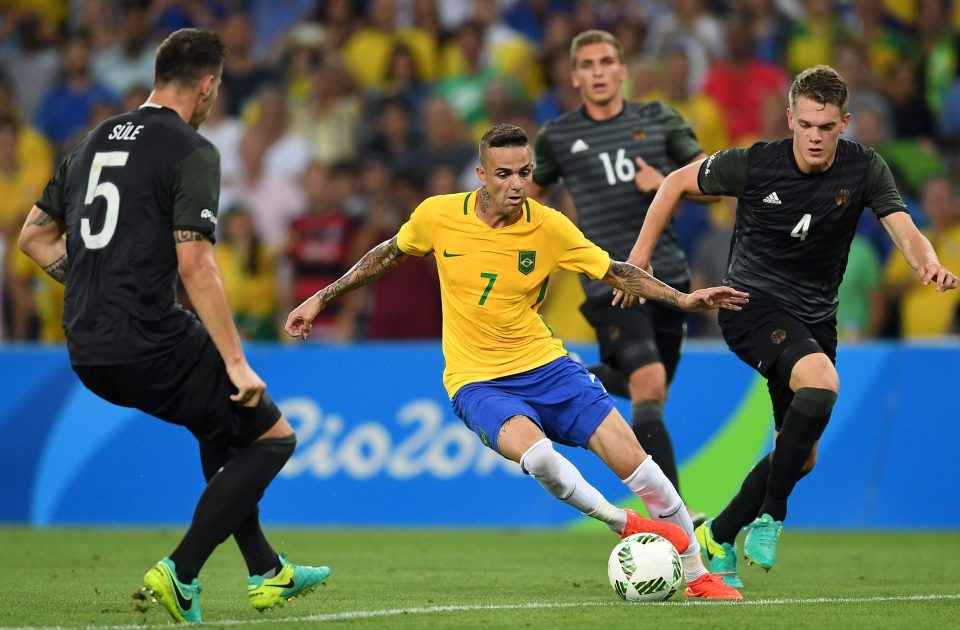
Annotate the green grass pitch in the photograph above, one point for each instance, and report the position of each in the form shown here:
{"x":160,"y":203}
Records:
{"x":480,"y":579}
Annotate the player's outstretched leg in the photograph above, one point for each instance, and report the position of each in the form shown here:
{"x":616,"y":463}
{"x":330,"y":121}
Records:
{"x":293,"y":580}
{"x":720,"y":558}
{"x":760,"y":545}
{"x":662,"y":502}
{"x":182,"y":601}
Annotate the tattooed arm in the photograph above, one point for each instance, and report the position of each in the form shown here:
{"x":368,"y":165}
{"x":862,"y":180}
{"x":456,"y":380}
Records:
{"x":637,"y":282}
{"x":381,"y":259}
{"x":42,"y":239}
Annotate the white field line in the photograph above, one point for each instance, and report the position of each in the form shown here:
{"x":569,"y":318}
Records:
{"x":429,"y":610}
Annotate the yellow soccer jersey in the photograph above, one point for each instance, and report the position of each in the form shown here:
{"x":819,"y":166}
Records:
{"x":492,"y":282}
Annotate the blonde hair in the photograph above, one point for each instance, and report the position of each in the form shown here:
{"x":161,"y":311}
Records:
{"x":594,"y":36}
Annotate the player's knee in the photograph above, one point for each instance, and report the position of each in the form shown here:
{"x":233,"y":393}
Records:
{"x":544,"y":464}
{"x":810,"y":463}
{"x":649,"y":383}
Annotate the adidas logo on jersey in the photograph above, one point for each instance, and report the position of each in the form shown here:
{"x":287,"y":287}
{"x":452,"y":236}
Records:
{"x":772,"y":198}
{"x":579,"y":146}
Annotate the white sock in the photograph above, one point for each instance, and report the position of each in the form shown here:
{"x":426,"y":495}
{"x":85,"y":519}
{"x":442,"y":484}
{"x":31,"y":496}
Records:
{"x":562,"y":479}
{"x":664,"y":504}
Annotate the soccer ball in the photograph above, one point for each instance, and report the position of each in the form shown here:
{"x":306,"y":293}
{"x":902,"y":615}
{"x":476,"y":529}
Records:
{"x":644,"y":568}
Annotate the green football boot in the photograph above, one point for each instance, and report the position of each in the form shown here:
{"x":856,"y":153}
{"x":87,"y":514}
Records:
{"x":293,"y":580}
{"x":720,"y":558}
{"x":760,"y":545}
{"x":181,"y":600}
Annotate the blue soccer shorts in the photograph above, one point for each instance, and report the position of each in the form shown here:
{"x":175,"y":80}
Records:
{"x":566,"y":401}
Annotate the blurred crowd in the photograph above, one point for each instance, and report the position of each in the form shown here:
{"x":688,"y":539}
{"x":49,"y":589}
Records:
{"x":336,"y":117}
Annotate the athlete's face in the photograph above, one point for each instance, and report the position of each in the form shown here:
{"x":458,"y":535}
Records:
{"x":816,"y":132}
{"x":599,"y":74}
{"x":505,"y":172}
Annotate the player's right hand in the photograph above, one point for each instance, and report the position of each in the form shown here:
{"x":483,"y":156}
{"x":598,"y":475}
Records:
{"x":300,"y":319}
{"x":250,"y":387}
{"x":940,"y":275}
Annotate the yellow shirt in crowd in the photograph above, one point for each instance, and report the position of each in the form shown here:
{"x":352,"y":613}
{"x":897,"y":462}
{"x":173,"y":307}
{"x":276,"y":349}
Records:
{"x":925,"y":312}
{"x":492,"y":282}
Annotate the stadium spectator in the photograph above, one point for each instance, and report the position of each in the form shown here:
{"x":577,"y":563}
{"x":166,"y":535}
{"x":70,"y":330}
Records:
{"x":329,"y":119}
{"x":701,"y":112}
{"x":320,"y":245}
{"x":464,"y":75}
{"x":739,"y":83}
{"x":30,"y":62}
{"x":66,"y":107}
{"x":695,"y":31}
{"x":32,"y":146}
{"x":861,"y":310}
{"x":367,"y":51}
{"x":394,"y":138}
{"x":249,"y":273}
{"x":243,"y":73}
{"x":405,"y":304}
{"x":129,"y":61}
{"x":813,"y":40}
{"x":925,"y":313}
{"x":877,"y":39}
{"x":288,"y":153}
{"x":445,"y":142}
{"x":708,"y":261}
{"x":274,"y":199}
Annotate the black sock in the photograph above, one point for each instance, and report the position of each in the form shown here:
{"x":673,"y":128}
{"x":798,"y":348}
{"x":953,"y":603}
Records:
{"x":743,"y":508}
{"x":653,"y":436}
{"x":802,"y":426}
{"x":614,"y":381}
{"x":257,"y":552}
{"x":229,"y":499}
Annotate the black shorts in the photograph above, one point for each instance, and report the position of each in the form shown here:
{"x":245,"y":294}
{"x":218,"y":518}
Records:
{"x":763,"y":331}
{"x":187,"y":386}
{"x":630,"y":338}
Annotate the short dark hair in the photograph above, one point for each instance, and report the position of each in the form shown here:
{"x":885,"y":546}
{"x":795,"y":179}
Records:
{"x":188,"y":55}
{"x":821,"y":84}
{"x":503,"y":135}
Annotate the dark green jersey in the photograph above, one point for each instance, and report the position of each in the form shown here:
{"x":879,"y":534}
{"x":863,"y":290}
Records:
{"x":793,"y":229}
{"x":597,"y":162}
{"x":122,"y":192}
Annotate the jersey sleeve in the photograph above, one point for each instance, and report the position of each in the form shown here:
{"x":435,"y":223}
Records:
{"x":882,"y":194}
{"x":51,"y":199}
{"x":416,"y":235}
{"x":196,"y":191}
{"x":546,"y":169}
{"x":573,"y":250}
{"x":724,"y":173}
{"x":682,"y":143}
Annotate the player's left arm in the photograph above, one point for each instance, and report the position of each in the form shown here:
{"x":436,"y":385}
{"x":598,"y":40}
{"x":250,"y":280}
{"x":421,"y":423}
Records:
{"x":885,"y":201}
{"x":635,"y":281}
{"x":43,"y":239}
{"x":918,"y":251}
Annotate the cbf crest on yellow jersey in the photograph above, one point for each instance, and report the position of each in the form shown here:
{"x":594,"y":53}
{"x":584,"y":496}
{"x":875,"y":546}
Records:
{"x":493,"y":280}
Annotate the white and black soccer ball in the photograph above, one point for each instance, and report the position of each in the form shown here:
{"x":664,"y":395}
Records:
{"x":645,"y":568}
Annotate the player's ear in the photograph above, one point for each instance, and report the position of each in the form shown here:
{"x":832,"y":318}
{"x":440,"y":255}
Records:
{"x":574,"y":80}
{"x":482,"y":175}
{"x":790,"y":119}
{"x":206,"y":86}
{"x":844,"y":122}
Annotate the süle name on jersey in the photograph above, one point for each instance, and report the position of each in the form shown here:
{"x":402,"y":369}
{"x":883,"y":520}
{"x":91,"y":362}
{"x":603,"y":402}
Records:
{"x":126,"y":131}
